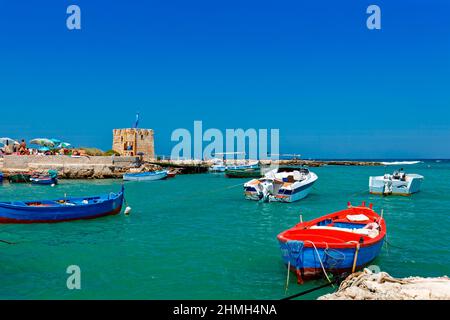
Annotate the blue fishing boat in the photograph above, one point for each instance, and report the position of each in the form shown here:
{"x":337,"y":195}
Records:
{"x":48,"y":179}
{"x":1,"y":177}
{"x":146,"y":176}
{"x":339,"y":242}
{"x":67,"y":209}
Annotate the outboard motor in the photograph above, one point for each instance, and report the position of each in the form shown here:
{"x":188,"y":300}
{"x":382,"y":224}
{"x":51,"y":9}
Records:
{"x":266,"y":191}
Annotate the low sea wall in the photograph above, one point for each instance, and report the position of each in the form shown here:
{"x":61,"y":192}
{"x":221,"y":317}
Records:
{"x":85,"y":167}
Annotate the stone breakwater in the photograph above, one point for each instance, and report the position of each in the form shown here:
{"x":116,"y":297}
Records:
{"x":98,"y":167}
{"x":74,"y":167}
{"x":366,"y":285}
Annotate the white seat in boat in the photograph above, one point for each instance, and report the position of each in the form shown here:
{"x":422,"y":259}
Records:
{"x":357,"y":217}
{"x":297,"y":175}
{"x":371,"y":233}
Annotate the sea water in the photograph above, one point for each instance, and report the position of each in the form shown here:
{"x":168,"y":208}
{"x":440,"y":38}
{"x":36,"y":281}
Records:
{"x":196,"y":237}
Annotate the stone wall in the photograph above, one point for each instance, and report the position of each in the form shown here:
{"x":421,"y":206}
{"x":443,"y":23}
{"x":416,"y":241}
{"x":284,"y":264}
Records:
{"x":68,"y":167}
{"x":140,"y":141}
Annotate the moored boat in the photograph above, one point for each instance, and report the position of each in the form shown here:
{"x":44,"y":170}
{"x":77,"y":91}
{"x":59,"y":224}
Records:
{"x":66,"y":209}
{"x":1,"y":177}
{"x":146,"y":176}
{"x":20,"y":178}
{"x":284,"y":184}
{"x":398,"y":183}
{"x":172,"y":173}
{"x":47,"y":179}
{"x":244,"y":173}
{"x":218,"y":167}
{"x":343,"y":241}
{"x":221,"y":165}
{"x":249,"y":165}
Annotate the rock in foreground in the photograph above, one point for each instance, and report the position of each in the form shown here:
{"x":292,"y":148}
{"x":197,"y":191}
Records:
{"x":366,"y":285}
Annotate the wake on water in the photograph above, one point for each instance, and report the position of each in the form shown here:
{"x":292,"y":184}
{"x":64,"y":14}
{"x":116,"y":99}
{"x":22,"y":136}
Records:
{"x":396,"y":163}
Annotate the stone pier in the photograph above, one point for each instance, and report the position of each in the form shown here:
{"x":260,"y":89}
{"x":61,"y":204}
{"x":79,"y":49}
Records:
{"x":85,"y":167}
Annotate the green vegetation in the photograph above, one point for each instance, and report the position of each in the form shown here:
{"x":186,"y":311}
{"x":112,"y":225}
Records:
{"x":111,"y":153}
{"x":93,"y":151}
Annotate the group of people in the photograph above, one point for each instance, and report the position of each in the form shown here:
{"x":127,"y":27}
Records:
{"x":15,"y":148}
{"x":22,"y":149}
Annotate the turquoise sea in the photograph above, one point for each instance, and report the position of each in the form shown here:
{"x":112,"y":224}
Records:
{"x":195,"y":237}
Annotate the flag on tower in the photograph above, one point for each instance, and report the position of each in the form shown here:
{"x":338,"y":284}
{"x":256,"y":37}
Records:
{"x":137,"y":121}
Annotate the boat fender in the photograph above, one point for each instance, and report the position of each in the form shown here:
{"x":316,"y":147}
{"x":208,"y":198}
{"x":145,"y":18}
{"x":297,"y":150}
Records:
{"x":127,"y":211}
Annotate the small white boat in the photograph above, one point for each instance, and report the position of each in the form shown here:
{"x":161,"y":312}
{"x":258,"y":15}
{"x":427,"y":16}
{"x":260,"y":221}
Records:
{"x":219,"y":165}
{"x":146,"y":176}
{"x":398,"y":183}
{"x":249,"y":165}
{"x":284,"y":184}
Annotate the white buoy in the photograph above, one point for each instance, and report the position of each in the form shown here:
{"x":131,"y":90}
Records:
{"x":52,"y":185}
{"x":127,"y":211}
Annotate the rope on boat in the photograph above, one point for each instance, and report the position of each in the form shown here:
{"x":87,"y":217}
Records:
{"x":287,"y":276}
{"x":320,"y":260}
{"x":335,"y":281}
{"x":7,"y":242}
{"x":127,"y":207}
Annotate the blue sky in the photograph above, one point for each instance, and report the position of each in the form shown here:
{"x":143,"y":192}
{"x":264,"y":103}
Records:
{"x":313,"y":70}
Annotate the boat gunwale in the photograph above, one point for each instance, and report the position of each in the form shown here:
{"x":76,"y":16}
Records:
{"x":342,"y":244}
{"x":103,"y":198}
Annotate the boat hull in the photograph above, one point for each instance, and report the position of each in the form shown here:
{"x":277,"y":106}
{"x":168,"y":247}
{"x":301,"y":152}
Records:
{"x":334,"y":260}
{"x":244,"y":173}
{"x":338,"y":242}
{"x":44,"y":181}
{"x":19,"y":178}
{"x":146,"y":176}
{"x":380,"y":186}
{"x":297,"y":194}
{"x":242,"y":167}
{"x":16,"y":212}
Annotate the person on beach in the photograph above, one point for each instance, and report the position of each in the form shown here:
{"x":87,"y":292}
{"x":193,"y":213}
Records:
{"x":23,"y":147}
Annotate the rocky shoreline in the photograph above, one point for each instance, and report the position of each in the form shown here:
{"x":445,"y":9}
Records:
{"x":367,"y":285}
{"x":103,"y":167}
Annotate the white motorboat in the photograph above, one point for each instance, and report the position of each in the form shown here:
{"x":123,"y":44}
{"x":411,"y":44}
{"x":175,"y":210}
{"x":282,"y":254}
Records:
{"x":398,"y":183}
{"x":284,"y":184}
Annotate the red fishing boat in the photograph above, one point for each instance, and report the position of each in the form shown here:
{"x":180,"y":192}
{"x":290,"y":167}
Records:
{"x":338,"y":242}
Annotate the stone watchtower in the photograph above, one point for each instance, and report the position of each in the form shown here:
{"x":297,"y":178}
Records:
{"x":133,"y":142}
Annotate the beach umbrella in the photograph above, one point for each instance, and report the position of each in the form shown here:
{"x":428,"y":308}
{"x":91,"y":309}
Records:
{"x":8,"y":141}
{"x":65,"y":145}
{"x":55,"y":141}
{"x":43,"y":142}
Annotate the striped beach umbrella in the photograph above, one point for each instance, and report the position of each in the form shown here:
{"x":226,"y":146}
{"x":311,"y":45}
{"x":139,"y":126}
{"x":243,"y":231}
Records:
{"x":43,"y":142}
{"x":8,"y":141}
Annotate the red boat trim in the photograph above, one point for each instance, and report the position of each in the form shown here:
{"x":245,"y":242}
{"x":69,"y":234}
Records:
{"x":373,"y":216}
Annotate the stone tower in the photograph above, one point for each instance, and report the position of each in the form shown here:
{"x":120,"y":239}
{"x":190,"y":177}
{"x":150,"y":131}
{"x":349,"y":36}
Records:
{"x":133,"y":142}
